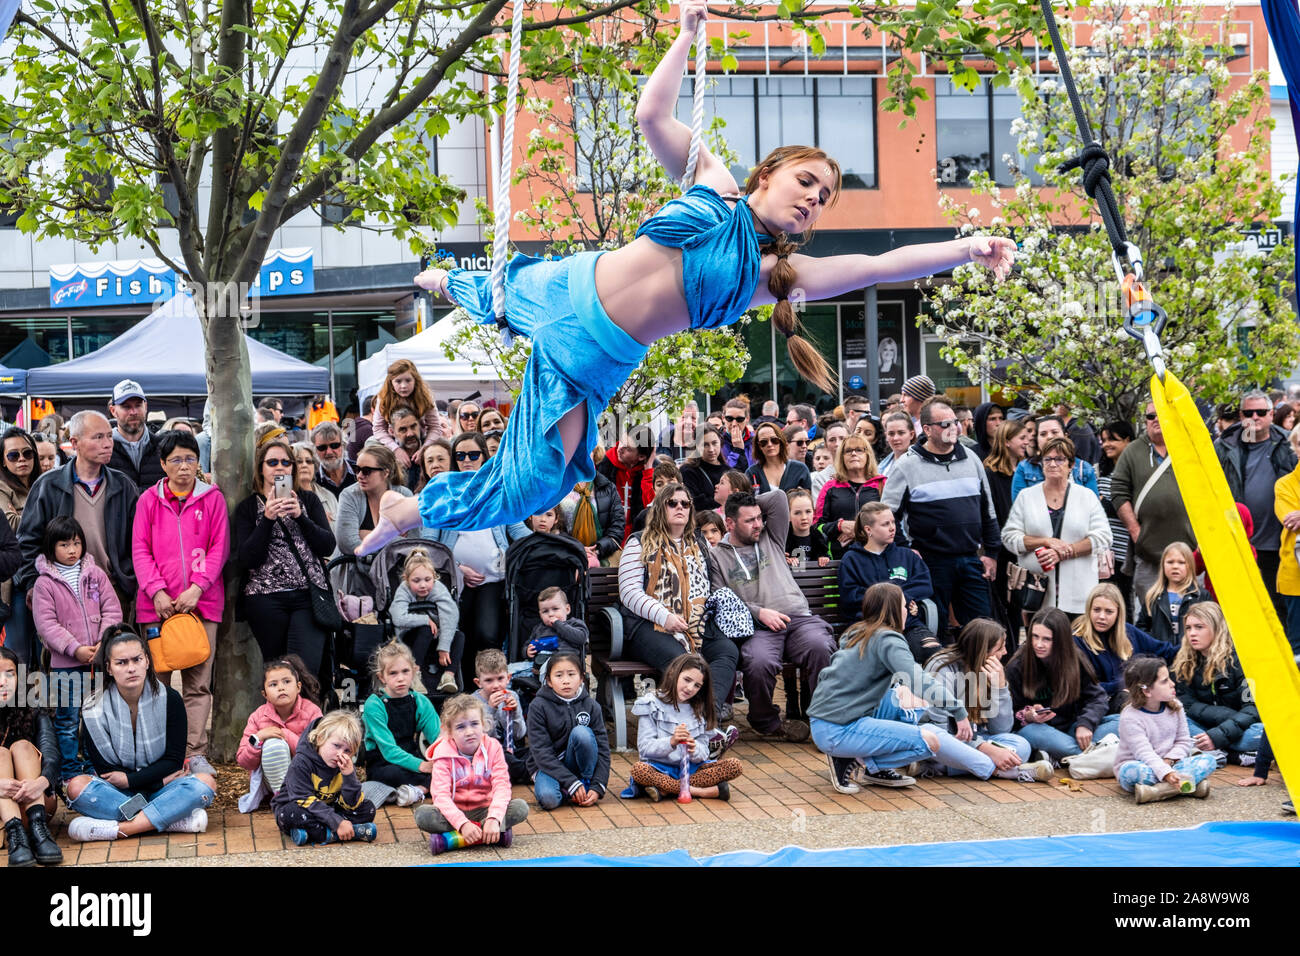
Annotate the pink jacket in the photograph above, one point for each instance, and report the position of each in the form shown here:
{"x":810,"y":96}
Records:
{"x":460,"y":783}
{"x":304,"y":712}
{"x":172,"y":551}
{"x":65,"y":621}
{"x":431,"y":426}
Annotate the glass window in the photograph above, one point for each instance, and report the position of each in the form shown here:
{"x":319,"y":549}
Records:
{"x":949,"y":379}
{"x":756,"y":382}
{"x":48,"y":333}
{"x":849,"y":132}
{"x":788,"y":112}
{"x":821,"y":326}
{"x":973,"y":133}
{"x":91,"y":332}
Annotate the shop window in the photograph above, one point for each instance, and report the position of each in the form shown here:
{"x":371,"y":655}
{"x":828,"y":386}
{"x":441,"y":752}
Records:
{"x":973,"y":133}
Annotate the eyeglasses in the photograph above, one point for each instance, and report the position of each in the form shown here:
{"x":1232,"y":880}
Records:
{"x":678,"y":503}
{"x":189,"y":462}
{"x":734,"y":418}
{"x":24,"y":454}
{"x":1256,"y":412}
{"x":768,"y":442}
{"x":329,"y":446}
{"x":948,"y":424}
{"x":468,"y":455}
{"x":855,"y":451}
{"x":280,"y":462}
{"x":798,"y":441}
{"x":365,"y":471}
{"x":1056,"y":461}
{"x":1152,"y":416}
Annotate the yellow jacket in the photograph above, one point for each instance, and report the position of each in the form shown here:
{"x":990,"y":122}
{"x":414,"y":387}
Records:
{"x":1286,"y":498}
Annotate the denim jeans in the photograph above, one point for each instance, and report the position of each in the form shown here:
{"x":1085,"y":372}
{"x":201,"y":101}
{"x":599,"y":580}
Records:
{"x":880,"y":744}
{"x":1057,"y":743}
{"x":1196,"y":766}
{"x":1247,"y":743}
{"x":1292,"y":602}
{"x":66,"y":684}
{"x":172,"y":802}
{"x":959,"y":584}
{"x":580,"y":757}
{"x":1109,"y":725}
{"x":960,"y":757}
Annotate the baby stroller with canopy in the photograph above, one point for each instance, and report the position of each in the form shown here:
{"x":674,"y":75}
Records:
{"x":365,"y":589}
{"x":533,"y":564}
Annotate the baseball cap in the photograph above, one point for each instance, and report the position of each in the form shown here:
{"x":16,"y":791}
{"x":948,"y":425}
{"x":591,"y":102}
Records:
{"x":126,"y":389}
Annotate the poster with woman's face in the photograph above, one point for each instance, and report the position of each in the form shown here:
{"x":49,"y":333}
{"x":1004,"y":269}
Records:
{"x":889,"y":347}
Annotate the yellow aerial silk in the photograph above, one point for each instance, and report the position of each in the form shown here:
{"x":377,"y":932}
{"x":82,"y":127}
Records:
{"x":1261,"y":644}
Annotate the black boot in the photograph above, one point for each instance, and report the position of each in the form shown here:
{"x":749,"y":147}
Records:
{"x":43,"y":845}
{"x":20,"y":854}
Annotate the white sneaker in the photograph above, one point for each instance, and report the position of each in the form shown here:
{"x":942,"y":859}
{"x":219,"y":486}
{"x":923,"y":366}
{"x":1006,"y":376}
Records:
{"x":88,"y":829}
{"x":408,"y":795}
{"x":1039,"y":770}
{"x":196,"y":822}
{"x":447,"y":684}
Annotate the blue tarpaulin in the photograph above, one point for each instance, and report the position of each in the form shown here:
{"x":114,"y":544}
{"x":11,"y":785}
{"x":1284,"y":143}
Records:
{"x":7,"y":10}
{"x":1210,"y":844}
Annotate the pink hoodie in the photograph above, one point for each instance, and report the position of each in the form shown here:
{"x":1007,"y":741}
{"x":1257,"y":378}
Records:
{"x":300,"y":718}
{"x":460,"y":783}
{"x":65,"y":621}
{"x":171,"y":551}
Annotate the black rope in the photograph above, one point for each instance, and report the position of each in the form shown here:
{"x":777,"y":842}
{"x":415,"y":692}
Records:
{"x":1093,"y":159}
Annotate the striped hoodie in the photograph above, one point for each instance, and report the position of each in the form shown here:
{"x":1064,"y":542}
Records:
{"x":945,"y":502}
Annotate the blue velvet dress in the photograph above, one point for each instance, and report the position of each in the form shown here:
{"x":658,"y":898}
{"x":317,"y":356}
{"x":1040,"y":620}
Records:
{"x":579,"y":355}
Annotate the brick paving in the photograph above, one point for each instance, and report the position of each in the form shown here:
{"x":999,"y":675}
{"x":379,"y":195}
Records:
{"x":781,"y":781}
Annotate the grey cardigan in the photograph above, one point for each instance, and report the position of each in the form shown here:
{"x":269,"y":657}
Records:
{"x":999,"y":715}
{"x":448,"y":612}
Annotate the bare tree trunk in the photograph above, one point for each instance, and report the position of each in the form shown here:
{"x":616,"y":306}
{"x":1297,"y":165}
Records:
{"x":236,"y":671}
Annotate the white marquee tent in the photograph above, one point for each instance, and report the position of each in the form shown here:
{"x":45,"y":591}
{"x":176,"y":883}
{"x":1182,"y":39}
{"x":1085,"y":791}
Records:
{"x":447,"y":379}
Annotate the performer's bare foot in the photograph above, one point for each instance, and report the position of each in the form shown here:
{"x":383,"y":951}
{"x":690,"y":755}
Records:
{"x":398,"y":514}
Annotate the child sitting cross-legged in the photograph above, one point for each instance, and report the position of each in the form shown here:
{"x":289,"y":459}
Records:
{"x":321,"y":800}
{"x":680,"y":714}
{"x":271,"y":734}
{"x":1157,"y":758}
{"x":470,"y":782}
{"x":556,"y":632}
{"x":492,"y":675}
{"x":396,"y":716}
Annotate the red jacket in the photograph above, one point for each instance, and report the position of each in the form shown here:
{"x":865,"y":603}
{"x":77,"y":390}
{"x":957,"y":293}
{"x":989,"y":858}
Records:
{"x":303,"y":713}
{"x":630,"y":483}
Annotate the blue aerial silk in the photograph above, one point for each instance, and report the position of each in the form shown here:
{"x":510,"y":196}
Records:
{"x":7,"y":10}
{"x":1283,"y":20}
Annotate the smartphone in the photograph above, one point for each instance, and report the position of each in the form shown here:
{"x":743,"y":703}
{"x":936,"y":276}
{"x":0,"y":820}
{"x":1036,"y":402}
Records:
{"x":283,"y":486}
{"x":152,"y":632}
{"x":128,"y":810}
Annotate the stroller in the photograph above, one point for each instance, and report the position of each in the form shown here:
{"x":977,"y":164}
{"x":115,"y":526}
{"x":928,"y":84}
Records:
{"x":365,"y":591}
{"x":533,"y":564}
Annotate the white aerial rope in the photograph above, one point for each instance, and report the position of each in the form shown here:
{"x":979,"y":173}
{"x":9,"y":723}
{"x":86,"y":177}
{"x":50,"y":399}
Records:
{"x":505,"y":162}
{"x":697,"y":111}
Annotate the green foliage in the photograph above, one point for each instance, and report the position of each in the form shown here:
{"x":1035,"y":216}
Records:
{"x":1190,"y":174}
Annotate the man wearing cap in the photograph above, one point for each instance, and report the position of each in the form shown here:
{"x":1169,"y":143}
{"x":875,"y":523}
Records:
{"x":135,"y":453}
{"x":916,"y":390}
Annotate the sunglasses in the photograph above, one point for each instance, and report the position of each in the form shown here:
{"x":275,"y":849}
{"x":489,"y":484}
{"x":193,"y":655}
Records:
{"x":1254,"y":412}
{"x":1152,"y":416}
{"x":678,"y":503}
{"x":768,"y":442}
{"x":804,"y":442}
{"x":365,"y":471}
{"x":280,"y":463}
{"x":23,"y":455}
{"x":329,"y":446}
{"x":734,"y":418}
{"x":468,"y":455}
{"x":469,"y":414}
{"x":948,"y":424}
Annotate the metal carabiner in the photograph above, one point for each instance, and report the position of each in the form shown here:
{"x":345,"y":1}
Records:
{"x":1134,"y":256}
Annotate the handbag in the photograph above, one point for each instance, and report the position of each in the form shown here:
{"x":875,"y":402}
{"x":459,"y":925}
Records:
{"x":182,"y":642}
{"x":1097,"y":761}
{"x":323,"y":609}
{"x":1029,"y":585}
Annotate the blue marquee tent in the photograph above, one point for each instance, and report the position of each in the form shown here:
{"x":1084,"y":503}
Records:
{"x":165,"y":354}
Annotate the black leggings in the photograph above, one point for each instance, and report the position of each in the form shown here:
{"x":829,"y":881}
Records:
{"x":282,"y":623}
{"x":395,"y":776}
{"x":424,"y":647}
{"x":482,"y":620}
{"x":643,"y":643}
{"x":293,"y":817}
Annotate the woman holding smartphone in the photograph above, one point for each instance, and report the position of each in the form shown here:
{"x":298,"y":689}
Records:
{"x":280,"y":536}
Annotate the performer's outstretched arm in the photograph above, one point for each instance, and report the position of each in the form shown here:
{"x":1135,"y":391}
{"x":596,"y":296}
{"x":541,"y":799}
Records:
{"x":669,"y":138}
{"x":831,"y":276}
